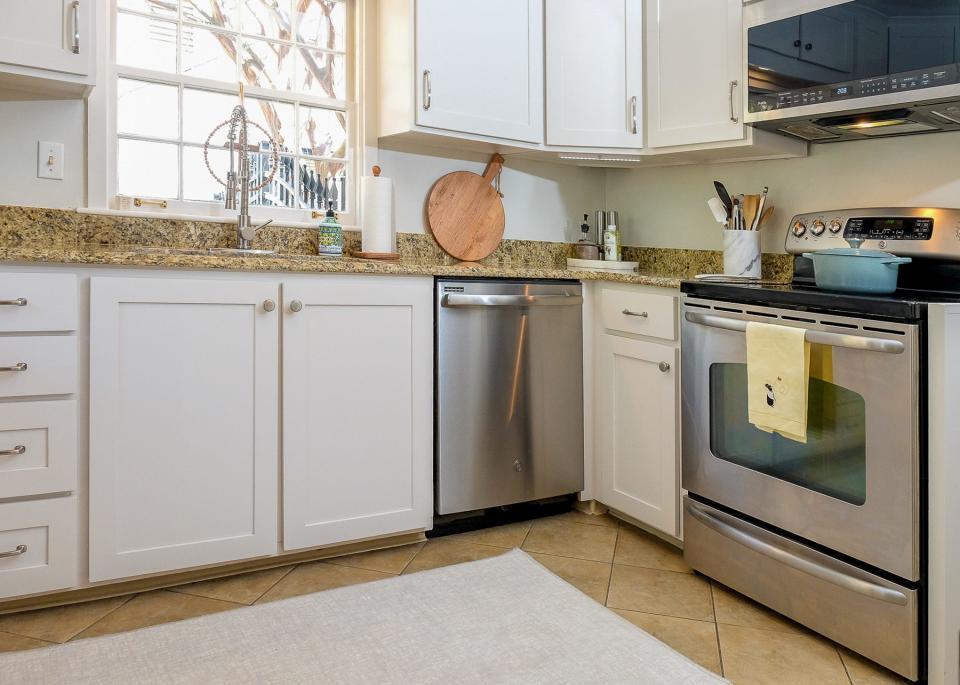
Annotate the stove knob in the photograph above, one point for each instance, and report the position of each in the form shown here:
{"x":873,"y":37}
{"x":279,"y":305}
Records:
{"x":835,"y":225}
{"x":799,"y":228}
{"x":818,"y":227}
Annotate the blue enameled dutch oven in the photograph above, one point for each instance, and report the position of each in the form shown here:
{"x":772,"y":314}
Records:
{"x":853,"y":270}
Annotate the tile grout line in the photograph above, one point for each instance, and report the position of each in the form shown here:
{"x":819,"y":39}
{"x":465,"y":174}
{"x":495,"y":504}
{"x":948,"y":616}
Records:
{"x":260,"y":596}
{"x":616,"y":541}
{"x":843,"y":663}
{"x":407,"y":565}
{"x":716,"y":627}
{"x":88,"y":627}
{"x":46,"y":643}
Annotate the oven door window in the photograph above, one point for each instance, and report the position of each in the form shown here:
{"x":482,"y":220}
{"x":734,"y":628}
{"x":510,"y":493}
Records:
{"x":832,"y":462}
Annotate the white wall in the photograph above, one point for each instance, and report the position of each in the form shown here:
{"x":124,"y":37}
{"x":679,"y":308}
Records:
{"x":541,"y":201}
{"x":22,"y":124}
{"x":667,"y":207}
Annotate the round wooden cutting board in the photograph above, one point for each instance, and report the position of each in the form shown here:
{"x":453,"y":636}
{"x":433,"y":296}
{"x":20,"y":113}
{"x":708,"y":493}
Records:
{"x":465,"y":213}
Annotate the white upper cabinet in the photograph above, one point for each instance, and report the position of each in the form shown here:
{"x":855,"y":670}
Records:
{"x":47,"y":44}
{"x":184,"y":397}
{"x":695,"y":71}
{"x":594,"y":73}
{"x":357,"y":409}
{"x":480,"y":67}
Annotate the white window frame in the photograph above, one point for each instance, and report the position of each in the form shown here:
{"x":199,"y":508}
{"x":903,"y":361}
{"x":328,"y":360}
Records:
{"x":102,"y":132}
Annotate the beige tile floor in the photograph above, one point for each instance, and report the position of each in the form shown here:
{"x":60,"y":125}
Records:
{"x":636,"y":575}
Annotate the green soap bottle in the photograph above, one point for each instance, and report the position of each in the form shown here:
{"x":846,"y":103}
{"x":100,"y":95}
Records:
{"x":330,"y":239}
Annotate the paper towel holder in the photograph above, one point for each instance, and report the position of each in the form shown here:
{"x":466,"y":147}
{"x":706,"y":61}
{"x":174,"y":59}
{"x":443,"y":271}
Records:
{"x":383,"y":256}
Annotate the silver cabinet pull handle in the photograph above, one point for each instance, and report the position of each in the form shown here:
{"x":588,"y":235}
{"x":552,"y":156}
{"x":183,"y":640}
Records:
{"x":20,"y":366}
{"x":427,"y":90}
{"x":733,"y":112}
{"x":16,"y":451}
{"x":642,"y":315}
{"x":633,"y":114}
{"x":75,"y":10}
{"x":663,"y":366}
{"x":269,"y":305}
{"x":296,"y":305}
{"x":18,"y":302}
{"x":21,"y":549}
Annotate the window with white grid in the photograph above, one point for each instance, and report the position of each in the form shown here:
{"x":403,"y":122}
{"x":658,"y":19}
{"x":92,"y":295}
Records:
{"x":179,"y":65}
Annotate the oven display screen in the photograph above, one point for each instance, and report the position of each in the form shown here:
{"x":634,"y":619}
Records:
{"x":890,"y":228}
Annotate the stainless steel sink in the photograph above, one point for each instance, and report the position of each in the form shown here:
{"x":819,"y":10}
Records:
{"x":224,"y":251}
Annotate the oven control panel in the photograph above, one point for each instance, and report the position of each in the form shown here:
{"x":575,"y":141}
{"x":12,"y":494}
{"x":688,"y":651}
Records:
{"x":907,"y":231}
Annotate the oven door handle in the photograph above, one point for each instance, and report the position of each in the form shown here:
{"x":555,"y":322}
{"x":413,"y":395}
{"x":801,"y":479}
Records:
{"x":854,"y":342}
{"x":795,"y":561}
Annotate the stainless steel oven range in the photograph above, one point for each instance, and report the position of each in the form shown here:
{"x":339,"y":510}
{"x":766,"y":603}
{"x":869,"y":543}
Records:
{"x":830,"y":532}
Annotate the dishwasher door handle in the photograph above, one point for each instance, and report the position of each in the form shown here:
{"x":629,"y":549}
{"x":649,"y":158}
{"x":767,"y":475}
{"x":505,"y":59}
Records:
{"x":458,"y":300}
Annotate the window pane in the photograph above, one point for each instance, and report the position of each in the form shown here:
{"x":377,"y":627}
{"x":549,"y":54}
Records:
{"x":276,"y":118}
{"x":202,"y":111}
{"x":267,"y":65}
{"x":322,"y":73}
{"x":323,"y":132}
{"x":147,"y":169}
{"x":160,"y":8}
{"x":281,"y":191}
{"x":322,"y":23}
{"x":147,"y":109}
{"x":208,"y":54}
{"x":198,"y":184}
{"x":146,"y":43}
{"x":222,"y":13}
{"x":269,"y":18}
{"x":323,"y":182}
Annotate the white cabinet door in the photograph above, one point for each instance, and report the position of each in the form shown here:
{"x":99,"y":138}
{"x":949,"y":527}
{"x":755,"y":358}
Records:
{"x":43,"y":34}
{"x":636,"y":430}
{"x":594,"y":69}
{"x":480,"y":67}
{"x":184,"y":400}
{"x":695,"y":71}
{"x":357,"y":409}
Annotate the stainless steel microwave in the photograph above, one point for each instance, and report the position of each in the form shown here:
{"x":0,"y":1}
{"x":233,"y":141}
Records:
{"x":828,"y":71}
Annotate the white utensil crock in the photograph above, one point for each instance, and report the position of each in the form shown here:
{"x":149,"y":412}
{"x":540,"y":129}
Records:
{"x":741,"y":253}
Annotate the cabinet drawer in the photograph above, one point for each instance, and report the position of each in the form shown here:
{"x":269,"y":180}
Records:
{"x":38,"y":365}
{"x":39,"y":539}
{"x":38,"y":302}
{"x":639,"y":312}
{"x":38,"y":448}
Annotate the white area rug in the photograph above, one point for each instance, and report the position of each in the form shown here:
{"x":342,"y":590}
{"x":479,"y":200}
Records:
{"x":500,"y":620}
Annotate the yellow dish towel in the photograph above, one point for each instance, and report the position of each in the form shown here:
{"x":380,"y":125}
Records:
{"x":778,"y":376}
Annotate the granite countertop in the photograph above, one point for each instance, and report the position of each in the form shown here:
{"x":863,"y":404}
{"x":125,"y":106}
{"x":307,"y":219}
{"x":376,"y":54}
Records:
{"x":122,"y":255}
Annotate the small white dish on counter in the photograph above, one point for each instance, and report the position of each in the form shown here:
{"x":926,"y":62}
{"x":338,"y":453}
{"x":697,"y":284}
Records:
{"x":601,"y":265}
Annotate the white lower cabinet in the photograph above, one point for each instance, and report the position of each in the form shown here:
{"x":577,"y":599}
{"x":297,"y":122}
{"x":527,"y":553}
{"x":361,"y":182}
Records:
{"x":184,"y":396}
{"x":636,"y":422}
{"x":357,"y":409}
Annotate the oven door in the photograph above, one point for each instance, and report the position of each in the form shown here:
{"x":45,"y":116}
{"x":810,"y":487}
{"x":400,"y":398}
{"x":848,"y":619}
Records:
{"x":853,"y":487}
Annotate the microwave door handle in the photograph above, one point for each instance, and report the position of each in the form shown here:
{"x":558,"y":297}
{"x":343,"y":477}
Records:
{"x":853,"y":342}
{"x":455,"y":300}
{"x":815,"y":568}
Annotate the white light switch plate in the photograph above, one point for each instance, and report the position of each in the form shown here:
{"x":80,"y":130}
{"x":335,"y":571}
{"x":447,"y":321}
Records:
{"x":50,"y":160}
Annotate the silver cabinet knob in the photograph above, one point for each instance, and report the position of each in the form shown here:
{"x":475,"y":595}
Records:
{"x":269,"y":305}
{"x":663,"y":366}
{"x":296,"y":305}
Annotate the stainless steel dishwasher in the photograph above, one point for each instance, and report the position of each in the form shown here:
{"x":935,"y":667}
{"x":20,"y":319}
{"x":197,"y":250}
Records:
{"x":509,"y":392}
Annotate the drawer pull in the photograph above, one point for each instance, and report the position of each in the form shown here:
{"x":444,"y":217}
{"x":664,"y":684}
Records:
{"x":642,"y":315}
{"x":21,"y":549}
{"x":16,"y":451}
{"x":663,"y":366}
{"x":19,"y":302}
{"x":20,"y":366}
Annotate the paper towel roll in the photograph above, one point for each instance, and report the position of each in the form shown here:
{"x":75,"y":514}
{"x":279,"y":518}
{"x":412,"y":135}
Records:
{"x":376,"y":206}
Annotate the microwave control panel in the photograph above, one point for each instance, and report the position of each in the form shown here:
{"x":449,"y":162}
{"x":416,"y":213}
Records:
{"x":881,"y":85}
{"x":906,"y":231}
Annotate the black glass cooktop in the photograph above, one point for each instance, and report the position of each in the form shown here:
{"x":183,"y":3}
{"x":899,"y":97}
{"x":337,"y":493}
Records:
{"x":921,"y":283}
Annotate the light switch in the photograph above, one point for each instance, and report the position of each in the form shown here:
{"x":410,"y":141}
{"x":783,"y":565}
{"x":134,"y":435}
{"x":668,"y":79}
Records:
{"x":50,"y":160}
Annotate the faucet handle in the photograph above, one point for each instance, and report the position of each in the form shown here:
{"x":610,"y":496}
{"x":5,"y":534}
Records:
{"x":250,"y":232}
